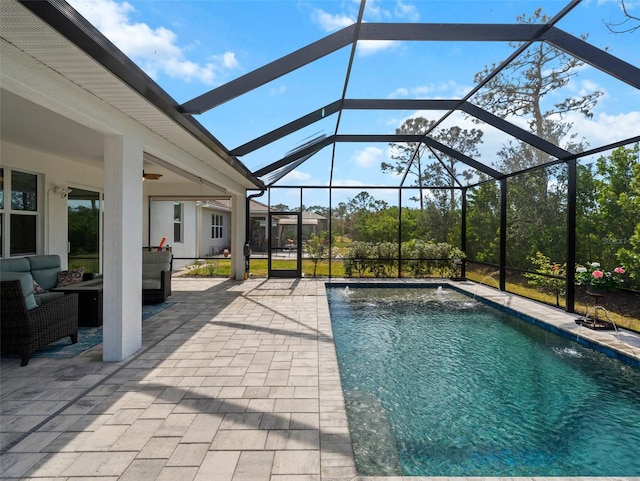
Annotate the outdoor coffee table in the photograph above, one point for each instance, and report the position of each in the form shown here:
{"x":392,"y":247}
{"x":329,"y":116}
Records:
{"x":89,"y":301}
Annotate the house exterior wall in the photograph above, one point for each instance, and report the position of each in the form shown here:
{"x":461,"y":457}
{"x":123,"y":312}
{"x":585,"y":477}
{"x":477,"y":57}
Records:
{"x":161,"y":224}
{"x":206,"y":239}
{"x":197,"y":233}
{"x":189,"y":245}
{"x":52,"y":171}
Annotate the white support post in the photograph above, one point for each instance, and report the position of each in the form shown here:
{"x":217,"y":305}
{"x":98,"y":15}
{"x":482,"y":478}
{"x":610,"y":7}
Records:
{"x":122,"y":329}
{"x":238,"y":234}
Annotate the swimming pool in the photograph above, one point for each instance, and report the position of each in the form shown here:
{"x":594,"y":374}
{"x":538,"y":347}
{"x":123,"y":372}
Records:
{"x":437,"y":384}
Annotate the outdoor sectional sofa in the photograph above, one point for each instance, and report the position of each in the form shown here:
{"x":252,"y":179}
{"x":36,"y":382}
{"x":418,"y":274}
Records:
{"x":43,"y":269}
{"x":31,"y":320}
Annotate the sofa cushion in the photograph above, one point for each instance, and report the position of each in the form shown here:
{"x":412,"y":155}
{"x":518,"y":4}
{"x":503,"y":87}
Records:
{"x":151,"y":284}
{"x":47,"y":297}
{"x":45,"y":269}
{"x":154,"y":262}
{"x":19,"y":264}
{"x":70,"y":277}
{"x":26,"y":284}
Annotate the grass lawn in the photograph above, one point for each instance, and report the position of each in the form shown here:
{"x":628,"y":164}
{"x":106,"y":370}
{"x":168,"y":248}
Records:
{"x":259,"y":268}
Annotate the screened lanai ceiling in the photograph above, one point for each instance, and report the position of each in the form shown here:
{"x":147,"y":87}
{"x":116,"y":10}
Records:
{"x":315,"y":93}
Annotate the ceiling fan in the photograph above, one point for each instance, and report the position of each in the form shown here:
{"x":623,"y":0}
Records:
{"x":150,"y":176}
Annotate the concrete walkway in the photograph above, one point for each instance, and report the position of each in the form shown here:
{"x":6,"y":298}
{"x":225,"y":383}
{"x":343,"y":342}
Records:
{"x":236,"y":381}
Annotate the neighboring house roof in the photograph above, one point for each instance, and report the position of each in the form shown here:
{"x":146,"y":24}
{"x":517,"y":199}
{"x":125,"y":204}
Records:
{"x":312,"y":215}
{"x":256,"y":206}
{"x":216,"y":205}
{"x":308,"y":218}
{"x":225,"y":204}
{"x":59,"y":38}
{"x":294,"y":221}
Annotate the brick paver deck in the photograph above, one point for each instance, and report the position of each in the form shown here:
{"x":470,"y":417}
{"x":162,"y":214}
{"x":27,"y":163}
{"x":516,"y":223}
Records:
{"x":236,"y":381}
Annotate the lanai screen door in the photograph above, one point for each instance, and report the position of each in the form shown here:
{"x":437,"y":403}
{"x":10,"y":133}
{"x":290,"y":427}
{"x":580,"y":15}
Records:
{"x":285,"y":246}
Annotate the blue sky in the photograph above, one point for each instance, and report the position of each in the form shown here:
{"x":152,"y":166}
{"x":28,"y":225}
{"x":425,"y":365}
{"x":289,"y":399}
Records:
{"x":190,"y":47}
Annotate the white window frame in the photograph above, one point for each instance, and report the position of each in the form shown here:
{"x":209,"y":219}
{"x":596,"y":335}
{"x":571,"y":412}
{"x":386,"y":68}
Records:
{"x":6,"y":212}
{"x":217,"y":226}
{"x":178,"y":223}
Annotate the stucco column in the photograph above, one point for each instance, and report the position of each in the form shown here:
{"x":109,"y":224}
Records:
{"x":238,"y":234}
{"x":122,"y":330}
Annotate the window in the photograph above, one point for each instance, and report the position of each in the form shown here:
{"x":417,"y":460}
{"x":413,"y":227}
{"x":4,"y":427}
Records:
{"x":21,"y":210}
{"x":178,"y":212}
{"x":217,"y":224}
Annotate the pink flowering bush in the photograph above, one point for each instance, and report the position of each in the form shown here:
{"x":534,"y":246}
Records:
{"x":597,"y":278}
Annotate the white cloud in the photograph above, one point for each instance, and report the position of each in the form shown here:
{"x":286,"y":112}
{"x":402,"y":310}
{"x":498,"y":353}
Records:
{"x":423,"y":91}
{"x":228,"y":60}
{"x":368,"y":157}
{"x":156,"y":50}
{"x":329,"y":22}
{"x":579,"y":87}
{"x":399,"y":93}
{"x":298,"y":177}
{"x":370,"y":47}
{"x":347,"y":183}
{"x":407,"y":11}
{"x":604,"y":128}
{"x":589,"y":86}
{"x":402,"y":10}
{"x":373,"y":12}
{"x":444,"y":90}
{"x":278,"y":90}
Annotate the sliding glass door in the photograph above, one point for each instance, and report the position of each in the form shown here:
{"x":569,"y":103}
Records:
{"x":84,"y":218}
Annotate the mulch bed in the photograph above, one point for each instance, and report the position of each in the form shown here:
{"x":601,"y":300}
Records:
{"x":624,"y":302}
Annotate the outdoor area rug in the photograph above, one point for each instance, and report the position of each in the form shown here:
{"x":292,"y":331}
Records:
{"x":89,"y":337}
{"x":149,"y":310}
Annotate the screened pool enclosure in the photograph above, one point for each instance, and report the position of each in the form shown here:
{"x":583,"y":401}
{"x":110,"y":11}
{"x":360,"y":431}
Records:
{"x":496,"y":141}
{"x":507,"y":179}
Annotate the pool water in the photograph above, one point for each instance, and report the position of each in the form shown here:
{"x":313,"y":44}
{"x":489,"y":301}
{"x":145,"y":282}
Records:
{"x":438,"y":384}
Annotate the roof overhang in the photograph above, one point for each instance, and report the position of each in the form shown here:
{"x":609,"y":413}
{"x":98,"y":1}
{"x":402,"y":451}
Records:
{"x":57,"y":37}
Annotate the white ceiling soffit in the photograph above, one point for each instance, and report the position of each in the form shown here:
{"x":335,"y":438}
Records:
{"x":31,"y":35}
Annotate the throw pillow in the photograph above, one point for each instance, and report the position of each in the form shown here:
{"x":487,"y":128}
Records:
{"x":70,"y":277}
{"x":37,"y":289}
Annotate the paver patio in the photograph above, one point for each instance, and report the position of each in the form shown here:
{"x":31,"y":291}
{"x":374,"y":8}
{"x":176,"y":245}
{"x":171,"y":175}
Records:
{"x":227,"y":386}
{"x":236,"y":381}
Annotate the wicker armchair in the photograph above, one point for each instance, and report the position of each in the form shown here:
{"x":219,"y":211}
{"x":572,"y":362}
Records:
{"x":156,"y":276}
{"x":24,"y":331}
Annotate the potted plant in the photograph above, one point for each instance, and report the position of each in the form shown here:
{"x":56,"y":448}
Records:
{"x":597,"y":280}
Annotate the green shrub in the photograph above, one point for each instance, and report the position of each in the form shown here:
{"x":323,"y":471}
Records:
{"x":208,"y":268}
{"x":357,"y":258}
{"x":423,"y":259}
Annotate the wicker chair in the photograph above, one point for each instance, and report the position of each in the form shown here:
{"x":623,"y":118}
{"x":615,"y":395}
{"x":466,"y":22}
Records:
{"x":156,"y":276}
{"x":24,"y":330}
